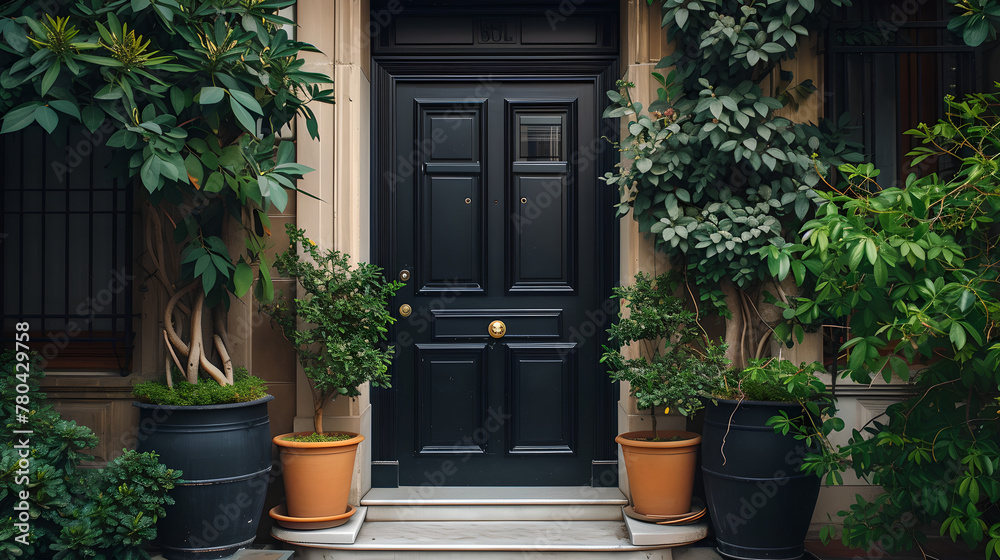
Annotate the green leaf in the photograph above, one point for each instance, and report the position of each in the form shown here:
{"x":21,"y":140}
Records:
{"x":976,"y":32}
{"x":177,"y":99}
{"x":242,"y":278}
{"x":210,"y":95}
{"x":66,"y":107}
{"x":47,"y":118}
{"x":50,"y":77}
{"x":150,"y":173}
{"x":799,"y":270}
{"x":783,"y":266}
{"x":264,"y":184}
{"x":681,"y":17}
{"x":202,"y":264}
{"x":957,"y":335}
{"x":856,"y":254}
{"x":278,"y":197}
{"x":246,"y":100}
{"x":16,"y":37}
{"x":194,"y":169}
{"x":231,"y":157}
{"x":881,"y":273}
{"x":899,"y":367}
{"x":246,"y":121}
{"x":266,"y":287}
{"x":871,"y":251}
{"x":966,"y":300}
{"x":19,"y":118}
{"x":208,"y":279}
{"x":286,"y":153}
{"x":643,"y":165}
{"x":214,"y":183}
{"x":93,"y":117}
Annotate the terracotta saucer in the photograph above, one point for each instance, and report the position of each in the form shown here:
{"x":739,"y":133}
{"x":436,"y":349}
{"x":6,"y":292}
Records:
{"x":697,"y":511}
{"x":307,"y":523}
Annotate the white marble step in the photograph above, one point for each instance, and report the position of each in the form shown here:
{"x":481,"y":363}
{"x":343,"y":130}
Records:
{"x":422,"y":503}
{"x":495,"y":523}
{"x":414,"y":540}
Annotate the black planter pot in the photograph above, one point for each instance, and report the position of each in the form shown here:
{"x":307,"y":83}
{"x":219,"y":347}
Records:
{"x":224,"y":452}
{"x":759,"y":502}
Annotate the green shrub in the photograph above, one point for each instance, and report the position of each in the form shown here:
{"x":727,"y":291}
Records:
{"x":339,"y":328}
{"x":72,"y":513}
{"x":680,"y":366}
{"x":245,"y":388}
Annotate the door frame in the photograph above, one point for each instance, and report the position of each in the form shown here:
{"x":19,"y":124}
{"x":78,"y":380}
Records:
{"x":387,"y":72}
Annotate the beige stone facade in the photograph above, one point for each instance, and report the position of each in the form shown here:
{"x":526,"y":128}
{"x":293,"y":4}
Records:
{"x":342,"y":30}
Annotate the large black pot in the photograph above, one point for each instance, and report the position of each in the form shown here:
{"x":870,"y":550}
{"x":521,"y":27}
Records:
{"x":759,"y":502}
{"x":224,"y":452}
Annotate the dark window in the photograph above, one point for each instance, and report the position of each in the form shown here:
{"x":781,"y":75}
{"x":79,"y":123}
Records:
{"x":889,"y":65}
{"x":66,"y":247}
{"x":540,"y":138}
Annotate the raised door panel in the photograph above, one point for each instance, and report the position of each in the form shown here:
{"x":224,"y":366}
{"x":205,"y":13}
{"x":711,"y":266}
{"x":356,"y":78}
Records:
{"x":450,"y":214}
{"x":541,"y":381}
{"x":451,"y":398}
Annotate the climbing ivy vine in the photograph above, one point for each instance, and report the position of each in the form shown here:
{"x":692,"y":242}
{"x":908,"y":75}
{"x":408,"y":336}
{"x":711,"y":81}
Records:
{"x":713,"y":169}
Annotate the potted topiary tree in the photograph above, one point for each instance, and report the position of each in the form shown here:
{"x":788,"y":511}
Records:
{"x":195,"y":93}
{"x":338,"y":327}
{"x":678,"y":367}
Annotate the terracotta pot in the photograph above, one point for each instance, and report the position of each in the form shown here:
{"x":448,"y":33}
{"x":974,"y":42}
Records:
{"x":317,"y":474}
{"x":660,"y":473}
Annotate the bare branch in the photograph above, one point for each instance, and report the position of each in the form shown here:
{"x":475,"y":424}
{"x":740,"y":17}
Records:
{"x":170,"y":347}
{"x":197,"y":346}
{"x":168,"y":320}
{"x":227,"y":362}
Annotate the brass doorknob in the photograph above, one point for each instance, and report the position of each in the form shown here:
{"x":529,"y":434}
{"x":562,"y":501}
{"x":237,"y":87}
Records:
{"x":405,"y":310}
{"x":497,"y":329}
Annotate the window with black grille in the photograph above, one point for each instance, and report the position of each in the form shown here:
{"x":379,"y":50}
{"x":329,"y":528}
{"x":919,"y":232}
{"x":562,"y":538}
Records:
{"x":889,"y":65}
{"x":66,"y":245}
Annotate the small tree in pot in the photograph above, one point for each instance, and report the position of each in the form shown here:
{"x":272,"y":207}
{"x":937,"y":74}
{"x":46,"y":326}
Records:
{"x":338,"y":329}
{"x":679,"y":367}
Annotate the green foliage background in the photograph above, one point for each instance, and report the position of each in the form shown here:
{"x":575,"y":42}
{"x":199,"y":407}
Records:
{"x":74,"y":513}
{"x":196,"y":92}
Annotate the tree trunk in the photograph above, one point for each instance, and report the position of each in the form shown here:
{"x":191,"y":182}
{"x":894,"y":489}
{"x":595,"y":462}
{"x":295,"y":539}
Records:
{"x":735,"y":326}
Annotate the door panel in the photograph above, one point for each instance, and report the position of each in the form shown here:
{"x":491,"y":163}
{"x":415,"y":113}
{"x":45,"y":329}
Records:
{"x":542,"y":380}
{"x":491,"y":213}
{"x":451,"y":399}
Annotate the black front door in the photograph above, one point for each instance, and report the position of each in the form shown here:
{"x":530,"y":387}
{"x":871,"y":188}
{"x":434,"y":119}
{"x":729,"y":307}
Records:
{"x":496,"y":211}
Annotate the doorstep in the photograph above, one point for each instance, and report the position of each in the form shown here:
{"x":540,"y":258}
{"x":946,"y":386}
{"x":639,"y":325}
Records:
{"x":453,"y":523}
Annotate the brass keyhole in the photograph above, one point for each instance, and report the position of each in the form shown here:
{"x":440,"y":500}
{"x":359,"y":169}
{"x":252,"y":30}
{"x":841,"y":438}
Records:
{"x":404,"y":275}
{"x":524,"y":200}
{"x":497,"y":329}
{"x":468,"y":201}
